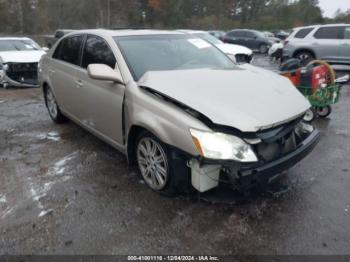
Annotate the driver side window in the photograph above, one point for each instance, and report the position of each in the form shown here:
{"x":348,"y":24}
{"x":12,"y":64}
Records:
{"x":249,"y":35}
{"x":96,"y":51}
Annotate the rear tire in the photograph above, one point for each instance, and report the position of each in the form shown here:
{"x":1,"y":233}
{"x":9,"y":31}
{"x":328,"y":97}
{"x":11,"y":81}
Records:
{"x":305,"y":57}
{"x":160,"y":167}
{"x":263,"y":49}
{"x":52,"y":107}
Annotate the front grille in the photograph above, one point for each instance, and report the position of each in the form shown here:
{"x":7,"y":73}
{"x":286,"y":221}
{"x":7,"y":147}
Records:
{"x":26,"y":73}
{"x":276,"y":149}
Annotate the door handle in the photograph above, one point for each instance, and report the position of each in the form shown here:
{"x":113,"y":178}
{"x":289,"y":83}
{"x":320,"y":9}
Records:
{"x":51,"y":71}
{"x":79,"y":84}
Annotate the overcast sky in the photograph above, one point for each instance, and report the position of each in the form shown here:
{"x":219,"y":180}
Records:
{"x":330,"y":6}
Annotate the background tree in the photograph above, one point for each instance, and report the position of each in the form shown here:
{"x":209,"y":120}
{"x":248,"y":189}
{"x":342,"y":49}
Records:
{"x":45,"y":16}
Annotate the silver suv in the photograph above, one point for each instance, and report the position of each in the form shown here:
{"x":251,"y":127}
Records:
{"x":326,"y":42}
{"x":178,"y":107}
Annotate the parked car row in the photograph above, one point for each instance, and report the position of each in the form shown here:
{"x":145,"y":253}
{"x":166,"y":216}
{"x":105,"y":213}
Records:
{"x":253,"y":39}
{"x":240,"y":53}
{"x":178,"y":107}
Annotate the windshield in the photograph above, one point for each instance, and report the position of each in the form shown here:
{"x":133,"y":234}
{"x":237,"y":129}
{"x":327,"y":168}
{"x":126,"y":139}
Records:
{"x":170,"y":52}
{"x":208,"y":37}
{"x":18,"y":45}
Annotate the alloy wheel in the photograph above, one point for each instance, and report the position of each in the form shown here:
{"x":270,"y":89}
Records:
{"x":305,"y":57}
{"x":153,"y":163}
{"x":263,"y":49}
{"x":51,"y":104}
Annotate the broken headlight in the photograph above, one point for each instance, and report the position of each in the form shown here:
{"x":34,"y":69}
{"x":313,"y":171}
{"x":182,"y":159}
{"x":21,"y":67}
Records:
{"x":222,"y":146}
{"x":3,"y":67}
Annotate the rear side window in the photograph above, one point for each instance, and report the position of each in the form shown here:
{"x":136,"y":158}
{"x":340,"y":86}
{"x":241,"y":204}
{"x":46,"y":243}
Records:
{"x":347,"y":33}
{"x":302,"y":33}
{"x":236,"y":33}
{"x":69,"y":50}
{"x":96,"y":51}
{"x":330,"y":33}
{"x":249,"y":34}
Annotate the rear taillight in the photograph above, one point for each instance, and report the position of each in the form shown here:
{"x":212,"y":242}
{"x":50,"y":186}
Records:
{"x":285,"y":43}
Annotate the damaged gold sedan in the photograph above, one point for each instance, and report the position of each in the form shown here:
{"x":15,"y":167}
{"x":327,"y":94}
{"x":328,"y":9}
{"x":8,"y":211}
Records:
{"x":178,"y":107}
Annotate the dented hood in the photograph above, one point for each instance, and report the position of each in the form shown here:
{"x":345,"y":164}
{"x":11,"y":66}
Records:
{"x":21,"y":56}
{"x":246,"y":98}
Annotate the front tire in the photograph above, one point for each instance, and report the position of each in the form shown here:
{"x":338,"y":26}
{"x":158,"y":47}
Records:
{"x":161,"y":171}
{"x":52,"y":107}
{"x":263,"y":49}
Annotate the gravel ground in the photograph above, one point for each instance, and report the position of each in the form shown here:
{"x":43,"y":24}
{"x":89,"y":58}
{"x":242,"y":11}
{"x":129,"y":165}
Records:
{"x":63,"y":191}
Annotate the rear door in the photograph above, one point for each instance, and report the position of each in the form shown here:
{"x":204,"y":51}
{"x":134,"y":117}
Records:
{"x":102,"y":100}
{"x":327,"y":41}
{"x":62,"y":71}
{"x":251,"y":40}
{"x":345,"y":46}
{"x":235,"y":37}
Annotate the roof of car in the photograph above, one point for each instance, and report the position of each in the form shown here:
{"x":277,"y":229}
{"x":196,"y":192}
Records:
{"x":14,"y":38}
{"x":244,"y":29}
{"x":126,"y":32}
{"x":188,"y":31}
{"x":327,"y":25}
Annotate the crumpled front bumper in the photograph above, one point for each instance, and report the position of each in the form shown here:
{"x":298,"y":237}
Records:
{"x":251,"y":175}
{"x":245,"y":176}
{"x":6,"y":81}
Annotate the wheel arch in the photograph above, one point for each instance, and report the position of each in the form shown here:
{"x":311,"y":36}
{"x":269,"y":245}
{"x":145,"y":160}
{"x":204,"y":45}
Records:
{"x":44,"y":87}
{"x":136,"y":130}
{"x":299,"y":50}
{"x":181,"y":175}
{"x":132,"y":135}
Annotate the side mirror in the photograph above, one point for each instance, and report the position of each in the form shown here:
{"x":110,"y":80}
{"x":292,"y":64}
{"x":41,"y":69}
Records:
{"x":104,"y":72}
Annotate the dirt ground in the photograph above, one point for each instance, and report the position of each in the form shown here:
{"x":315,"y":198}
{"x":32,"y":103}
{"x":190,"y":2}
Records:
{"x":63,"y":191}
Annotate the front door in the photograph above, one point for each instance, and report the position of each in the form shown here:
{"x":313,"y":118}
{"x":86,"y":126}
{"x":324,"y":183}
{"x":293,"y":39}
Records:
{"x":102,"y":100}
{"x":327,"y":42}
{"x":345,"y":46}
